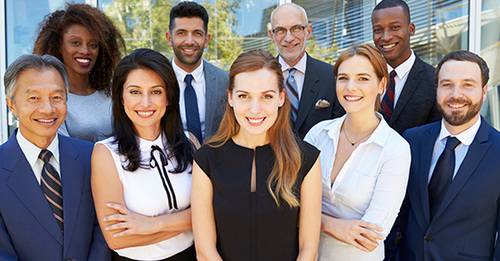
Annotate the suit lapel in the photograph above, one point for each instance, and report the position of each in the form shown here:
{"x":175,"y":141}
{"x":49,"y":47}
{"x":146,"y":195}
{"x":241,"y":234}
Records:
{"x":423,"y":171}
{"x":211,"y":96}
{"x":72,"y":179}
{"x":309,"y":93}
{"x":408,"y":89}
{"x":476,"y":152}
{"x":24,"y":185}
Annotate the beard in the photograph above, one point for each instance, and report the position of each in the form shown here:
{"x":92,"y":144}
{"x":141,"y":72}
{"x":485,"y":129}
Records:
{"x":188,"y":60}
{"x":457,"y":118}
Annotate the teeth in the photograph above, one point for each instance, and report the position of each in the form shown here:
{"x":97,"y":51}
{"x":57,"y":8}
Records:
{"x":255,"y":120}
{"x":456,"y":106}
{"x":352,"y":98}
{"x":388,"y":46}
{"x":145,"y":113}
{"x":83,"y":60}
{"x":45,"y":121}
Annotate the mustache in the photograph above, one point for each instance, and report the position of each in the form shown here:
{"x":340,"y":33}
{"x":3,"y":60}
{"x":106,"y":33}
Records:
{"x":459,"y":100}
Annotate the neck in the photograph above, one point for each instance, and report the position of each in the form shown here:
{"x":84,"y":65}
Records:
{"x":398,"y":61}
{"x":40,"y":142}
{"x":149,"y":134}
{"x":358,"y":124}
{"x":455,"y":130}
{"x":249,"y":140}
{"x":292,"y":63}
{"x":79,"y":84}
{"x":189,"y":68}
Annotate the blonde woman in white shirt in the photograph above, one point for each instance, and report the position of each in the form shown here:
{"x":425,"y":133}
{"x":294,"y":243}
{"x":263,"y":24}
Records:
{"x":365,"y":163}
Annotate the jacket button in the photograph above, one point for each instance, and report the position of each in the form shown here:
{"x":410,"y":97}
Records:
{"x":428,"y":238}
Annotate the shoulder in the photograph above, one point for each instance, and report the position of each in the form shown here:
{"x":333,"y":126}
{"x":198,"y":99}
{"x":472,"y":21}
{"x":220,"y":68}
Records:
{"x":319,"y":132}
{"x":425,"y":68}
{"x":77,"y":144}
{"x":395,"y":142}
{"x":318,"y":66}
{"x":420,"y":133}
{"x":308,"y":150}
{"x":212,"y":69}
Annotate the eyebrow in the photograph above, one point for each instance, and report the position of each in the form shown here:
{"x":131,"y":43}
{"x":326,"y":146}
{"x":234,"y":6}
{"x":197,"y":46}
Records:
{"x":139,"y":86}
{"x":273,"y":91}
{"x":465,"y":80}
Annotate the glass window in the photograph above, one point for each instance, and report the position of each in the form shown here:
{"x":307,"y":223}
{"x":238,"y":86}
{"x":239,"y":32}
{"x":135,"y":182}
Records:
{"x":22,"y":23}
{"x":490,"y":51}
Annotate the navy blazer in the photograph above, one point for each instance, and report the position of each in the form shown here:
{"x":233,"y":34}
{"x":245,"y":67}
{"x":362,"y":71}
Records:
{"x":465,"y":224}
{"x":28,"y":230}
{"x":416,"y":104}
{"x":319,"y":84}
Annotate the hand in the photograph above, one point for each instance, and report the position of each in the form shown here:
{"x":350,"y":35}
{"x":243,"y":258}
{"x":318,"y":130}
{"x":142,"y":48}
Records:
{"x":128,"y":222}
{"x":361,"y":234}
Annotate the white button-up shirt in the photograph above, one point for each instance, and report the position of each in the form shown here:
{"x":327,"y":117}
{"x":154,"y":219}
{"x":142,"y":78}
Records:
{"x":402,"y":72}
{"x":299,"y":74}
{"x":372,"y":183}
{"x":31,"y":152}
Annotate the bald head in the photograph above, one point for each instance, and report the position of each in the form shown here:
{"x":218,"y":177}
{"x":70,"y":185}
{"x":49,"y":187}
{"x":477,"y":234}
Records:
{"x":289,"y":9}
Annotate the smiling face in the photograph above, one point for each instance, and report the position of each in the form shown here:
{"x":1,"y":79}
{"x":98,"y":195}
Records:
{"x":145,"y":101}
{"x":358,"y":85}
{"x":391,"y":34}
{"x":188,"y":39}
{"x":79,"y":50}
{"x":291,"y":46}
{"x":255,"y":100}
{"x":460,"y":92}
{"x":39,"y":103}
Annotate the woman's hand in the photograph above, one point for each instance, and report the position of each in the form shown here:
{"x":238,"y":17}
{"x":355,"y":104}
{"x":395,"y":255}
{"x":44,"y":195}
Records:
{"x":129,"y":222}
{"x":361,"y":234}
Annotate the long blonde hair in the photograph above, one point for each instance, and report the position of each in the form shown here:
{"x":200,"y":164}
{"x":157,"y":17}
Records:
{"x":281,"y":182}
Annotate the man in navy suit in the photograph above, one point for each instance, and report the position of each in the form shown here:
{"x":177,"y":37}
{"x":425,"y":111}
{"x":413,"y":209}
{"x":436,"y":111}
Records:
{"x":310,"y":83}
{"x":452,"y":206}
{"x":46,"y":207}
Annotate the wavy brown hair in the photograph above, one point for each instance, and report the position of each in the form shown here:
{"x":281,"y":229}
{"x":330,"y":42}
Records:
{"x":281,"y":182}
{"x":373,"y":55}
{"x":111,"y":44}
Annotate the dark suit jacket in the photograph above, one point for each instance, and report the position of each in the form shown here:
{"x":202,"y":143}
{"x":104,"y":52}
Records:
{"x":465,"y":224}
{"x":416,"y":104}
{"x":216,"y":82}
{"x":319,"y":83}
{"x":28,"y":230}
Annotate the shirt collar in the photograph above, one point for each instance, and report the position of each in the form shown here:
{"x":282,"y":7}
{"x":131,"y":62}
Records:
{"x":300,"y":66}
{"x":403,"y":69}
{"x":379,"y":135}
{"x":465,"y":137}
{"x":181,"y":74}
{"x":31,"y":151}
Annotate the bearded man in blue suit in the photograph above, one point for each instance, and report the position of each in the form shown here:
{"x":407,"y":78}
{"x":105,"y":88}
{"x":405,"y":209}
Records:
{"x":46,"y":207}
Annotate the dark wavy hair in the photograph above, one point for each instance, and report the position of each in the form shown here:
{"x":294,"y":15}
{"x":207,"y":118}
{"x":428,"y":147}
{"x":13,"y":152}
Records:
{"x":170,"y":123}
{"x":111,"y":44}
{"x":188,"y":9}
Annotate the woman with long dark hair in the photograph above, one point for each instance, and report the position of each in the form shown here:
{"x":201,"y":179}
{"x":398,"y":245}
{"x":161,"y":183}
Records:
{"x":254,"y":175}
{"x":141,"y":179}
{"x":90,"y":46}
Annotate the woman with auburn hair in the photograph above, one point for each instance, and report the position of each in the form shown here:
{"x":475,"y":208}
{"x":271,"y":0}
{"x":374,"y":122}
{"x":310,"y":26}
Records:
{"x":90,"y":46}
{"x":253,"y":176}
{"x":365,"y":163}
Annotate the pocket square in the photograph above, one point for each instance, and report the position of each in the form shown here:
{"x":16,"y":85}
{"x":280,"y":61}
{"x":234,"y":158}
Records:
{"x":321,"y":104}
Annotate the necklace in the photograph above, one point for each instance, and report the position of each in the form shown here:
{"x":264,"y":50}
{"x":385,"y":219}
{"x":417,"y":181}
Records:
{"x":355,"y":142}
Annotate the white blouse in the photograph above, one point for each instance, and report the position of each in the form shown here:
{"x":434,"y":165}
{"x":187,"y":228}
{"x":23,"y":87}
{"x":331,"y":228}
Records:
{"x":372,"y":183}
{"x":148,"y":191}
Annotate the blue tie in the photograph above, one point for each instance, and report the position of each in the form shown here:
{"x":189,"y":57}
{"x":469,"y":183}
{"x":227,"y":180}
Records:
{"x":442,"y":174}
{"x":292,"y":92}
{"x":191,"y":104}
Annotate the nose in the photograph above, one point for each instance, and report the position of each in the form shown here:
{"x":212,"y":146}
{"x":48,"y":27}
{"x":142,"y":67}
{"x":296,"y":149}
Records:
{"x":145,"y":100}
{"x":189,"y":38}
{"x":386,"y":35}
{"x":350,"y":85}
{"x":84,"y":49}
{"x":45,"y":106}
{"x":255,"y":106}
{"x":289,"y":36}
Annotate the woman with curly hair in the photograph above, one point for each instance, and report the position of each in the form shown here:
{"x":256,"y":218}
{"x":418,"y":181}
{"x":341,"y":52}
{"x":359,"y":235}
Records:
{"x":90,"y":46}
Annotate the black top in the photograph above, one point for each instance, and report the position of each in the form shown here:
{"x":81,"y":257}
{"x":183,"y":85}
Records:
{"x":250,"y":226}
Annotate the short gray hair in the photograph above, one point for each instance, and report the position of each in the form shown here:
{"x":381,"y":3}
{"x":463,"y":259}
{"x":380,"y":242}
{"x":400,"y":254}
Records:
{"x":296,"y":6}
{"x":31,"y":61}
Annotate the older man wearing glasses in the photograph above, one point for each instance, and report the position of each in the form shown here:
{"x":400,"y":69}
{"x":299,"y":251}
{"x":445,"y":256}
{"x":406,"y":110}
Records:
{"x":310,"y":83}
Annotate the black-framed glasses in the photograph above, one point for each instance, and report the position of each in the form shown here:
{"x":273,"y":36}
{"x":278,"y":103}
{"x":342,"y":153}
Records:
{"x":295,"y":30}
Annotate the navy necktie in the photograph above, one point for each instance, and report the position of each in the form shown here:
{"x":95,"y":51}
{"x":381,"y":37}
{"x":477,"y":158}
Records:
{"x":388,"y":99}
{"x":292,"y":92}
{"x":52,"y":187}
{"x":442,"y":175}
{"x":191,"y":106}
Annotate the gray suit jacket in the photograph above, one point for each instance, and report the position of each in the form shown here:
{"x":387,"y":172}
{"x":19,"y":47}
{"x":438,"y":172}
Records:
{"x":216,"y":82}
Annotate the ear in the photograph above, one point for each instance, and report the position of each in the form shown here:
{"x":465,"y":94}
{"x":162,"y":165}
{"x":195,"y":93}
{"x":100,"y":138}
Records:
{"x":485,"y":90}
{"x":282,"y":98}
{"x":207,"y":41}
{"x":10,"y":104}
{"x":230,"y":98}
{"x":411,"y":29}
{"x":168,"y":37}
{"x":270,"y":34}
{"x":309,"y":31}
{"x":382,"y":85}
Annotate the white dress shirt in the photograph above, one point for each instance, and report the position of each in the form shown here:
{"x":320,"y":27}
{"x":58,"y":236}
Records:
{"x":199,"y":87}
{"x":466,"y":137}
{"x":144,"y":193}
{"x":299,"y":74}
{"x":31,"y":152}
{"x":402,"y":72}
{"x":370,"y":186}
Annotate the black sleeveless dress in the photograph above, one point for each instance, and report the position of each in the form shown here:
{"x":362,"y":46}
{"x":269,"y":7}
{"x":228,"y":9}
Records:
{"x":250,"y":226}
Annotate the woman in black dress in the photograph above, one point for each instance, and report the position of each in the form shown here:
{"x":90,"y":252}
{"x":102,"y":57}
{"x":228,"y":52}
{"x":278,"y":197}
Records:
{"x":256,"y":187}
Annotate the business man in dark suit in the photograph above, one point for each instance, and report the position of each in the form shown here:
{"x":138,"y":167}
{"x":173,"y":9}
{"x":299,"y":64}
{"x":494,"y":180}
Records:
{"x":202,"y":85}
{"x":452,"y":209}
{"x":46,"y":207}
{"x":310,"y":83}
{"x":410,"y":98}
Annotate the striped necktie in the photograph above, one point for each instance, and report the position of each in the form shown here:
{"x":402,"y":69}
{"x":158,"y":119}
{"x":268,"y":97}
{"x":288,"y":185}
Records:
{"x":292,"y":92}
{"x":52,"y":187}
{"x":388,"y":100}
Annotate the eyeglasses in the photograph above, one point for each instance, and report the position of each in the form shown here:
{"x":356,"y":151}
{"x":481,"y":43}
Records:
{"x":295,"y":30}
